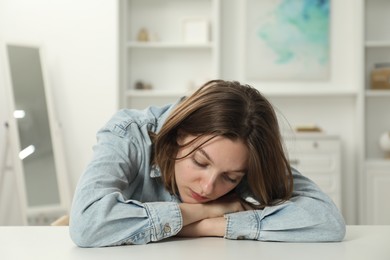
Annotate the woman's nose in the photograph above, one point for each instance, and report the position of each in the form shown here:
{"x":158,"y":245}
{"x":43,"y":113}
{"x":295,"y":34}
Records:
{"x":208,"y":184}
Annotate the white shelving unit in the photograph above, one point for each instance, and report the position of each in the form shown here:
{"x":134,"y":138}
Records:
{"x":376,"y":119}
{"x":166,"y":63}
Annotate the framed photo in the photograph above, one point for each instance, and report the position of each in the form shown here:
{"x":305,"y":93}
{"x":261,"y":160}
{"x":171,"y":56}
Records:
{"x":196,"y":30}
{"x":287,"y":40}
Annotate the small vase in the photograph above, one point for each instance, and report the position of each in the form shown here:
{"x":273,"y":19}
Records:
{"x":384,"y":143}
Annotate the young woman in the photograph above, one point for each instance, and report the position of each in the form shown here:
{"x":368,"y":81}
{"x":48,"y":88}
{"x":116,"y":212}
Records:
{"x":211,"y":165}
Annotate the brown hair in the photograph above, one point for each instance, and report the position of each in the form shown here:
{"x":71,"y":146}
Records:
{"x":234,"y":111}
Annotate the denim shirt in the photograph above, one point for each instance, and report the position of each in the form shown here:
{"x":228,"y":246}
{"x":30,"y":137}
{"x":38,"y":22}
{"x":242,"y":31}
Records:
{"x":120,"y":198}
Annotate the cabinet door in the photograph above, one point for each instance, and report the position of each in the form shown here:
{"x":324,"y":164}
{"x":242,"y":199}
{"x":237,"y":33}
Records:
{"x":378,"y":194}
{"x":319,"y":160}
{"x":318,"y":167}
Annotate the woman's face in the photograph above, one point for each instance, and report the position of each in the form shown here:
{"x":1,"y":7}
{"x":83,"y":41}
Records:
{"x":212,"y":170}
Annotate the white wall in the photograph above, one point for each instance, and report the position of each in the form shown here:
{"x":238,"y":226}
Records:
{"x":81,"y":45}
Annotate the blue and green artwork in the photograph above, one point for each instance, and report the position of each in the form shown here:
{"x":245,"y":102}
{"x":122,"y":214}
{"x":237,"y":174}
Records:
{"x":288,"y":39}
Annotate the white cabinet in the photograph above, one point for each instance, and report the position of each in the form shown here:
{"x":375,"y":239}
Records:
{"x":378,"y":192}
{"x":168,"y":48}
{"x":376,"y":119}
{"x":317,"y":156}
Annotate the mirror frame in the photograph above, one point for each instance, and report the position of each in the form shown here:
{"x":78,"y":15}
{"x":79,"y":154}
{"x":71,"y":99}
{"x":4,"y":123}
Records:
{"x":44,"y":213}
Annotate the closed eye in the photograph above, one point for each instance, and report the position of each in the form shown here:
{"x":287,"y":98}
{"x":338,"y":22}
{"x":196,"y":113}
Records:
{"x":197,"y":163}
{"x":230,"y":179}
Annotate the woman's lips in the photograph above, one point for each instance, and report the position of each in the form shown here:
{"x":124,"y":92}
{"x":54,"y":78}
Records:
{"x":198,"y":197}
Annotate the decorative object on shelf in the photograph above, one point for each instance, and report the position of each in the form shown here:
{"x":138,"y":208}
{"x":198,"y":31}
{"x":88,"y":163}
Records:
{"x":380,"y":76}
{"x":143,"y":35}
{"x":140,"y":85}
{"x":287,"y":40}
{"x":384,"y":143}
{"x":196,"y":30}
{"x":308,"y":129}
{"x":148,"y":86}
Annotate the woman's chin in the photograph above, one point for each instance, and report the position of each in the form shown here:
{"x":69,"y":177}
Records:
{"x":191,"y":200}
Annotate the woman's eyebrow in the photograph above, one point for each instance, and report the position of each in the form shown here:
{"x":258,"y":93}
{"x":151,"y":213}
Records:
{"x":205,"y":154}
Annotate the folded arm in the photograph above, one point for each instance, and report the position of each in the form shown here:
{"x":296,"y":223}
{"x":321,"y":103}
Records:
{"x":107,"y":208}
{"x":309,"y":216}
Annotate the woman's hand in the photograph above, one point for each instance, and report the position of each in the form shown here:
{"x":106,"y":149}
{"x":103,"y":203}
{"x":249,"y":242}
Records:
{"x":227,"y":204}
{"x":208,"y":219}
{"x":218,"y":208}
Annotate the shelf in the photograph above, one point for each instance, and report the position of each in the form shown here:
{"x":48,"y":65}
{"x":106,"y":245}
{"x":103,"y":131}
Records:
{"x":311,"y":135}
{"x":155,"y":93}
{"x":375,"y":44}
{"x":169,"y":45}
{"x":375,"y":163}
{"x":310,"y":93}
{"x":178,"y":93}
{"x":377,"y":93}
{"x":168,"y":60}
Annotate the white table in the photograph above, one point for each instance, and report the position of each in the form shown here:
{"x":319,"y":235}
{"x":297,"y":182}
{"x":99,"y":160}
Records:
{"x":361,"y":242}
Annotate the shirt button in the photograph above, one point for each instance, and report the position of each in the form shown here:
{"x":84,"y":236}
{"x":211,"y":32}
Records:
{"x":167,"y":228}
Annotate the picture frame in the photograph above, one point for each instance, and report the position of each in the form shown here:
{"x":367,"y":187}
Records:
{"x":196,"y":30}
{"x":287,"y":40}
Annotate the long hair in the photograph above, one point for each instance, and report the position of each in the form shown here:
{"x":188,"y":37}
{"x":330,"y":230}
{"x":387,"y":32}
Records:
{"x":238,"y":112}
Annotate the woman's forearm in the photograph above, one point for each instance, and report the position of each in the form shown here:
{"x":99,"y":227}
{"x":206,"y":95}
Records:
{"x":192,"y":213}
{"x":211,"y":227}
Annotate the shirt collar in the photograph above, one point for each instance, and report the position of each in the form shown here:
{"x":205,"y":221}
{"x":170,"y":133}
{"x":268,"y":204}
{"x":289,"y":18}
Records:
{"x":155,"y":172}
{"x":164,"y":116}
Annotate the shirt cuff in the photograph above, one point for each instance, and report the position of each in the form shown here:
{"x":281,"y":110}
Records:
{"x":166,"y":219}
{"x":242,"y":225}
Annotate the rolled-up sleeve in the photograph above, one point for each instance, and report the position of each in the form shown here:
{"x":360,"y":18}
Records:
{"x":309,"y":216}
{"x":166,"y":219}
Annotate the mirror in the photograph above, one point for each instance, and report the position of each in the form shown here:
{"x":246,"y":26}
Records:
{"x":36,"y":140}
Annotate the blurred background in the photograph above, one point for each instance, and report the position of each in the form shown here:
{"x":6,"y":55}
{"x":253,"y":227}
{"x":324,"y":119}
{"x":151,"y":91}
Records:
{"x":323,"y":64}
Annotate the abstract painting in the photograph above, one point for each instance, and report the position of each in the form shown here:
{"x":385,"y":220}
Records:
{"x":287,"y":39}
